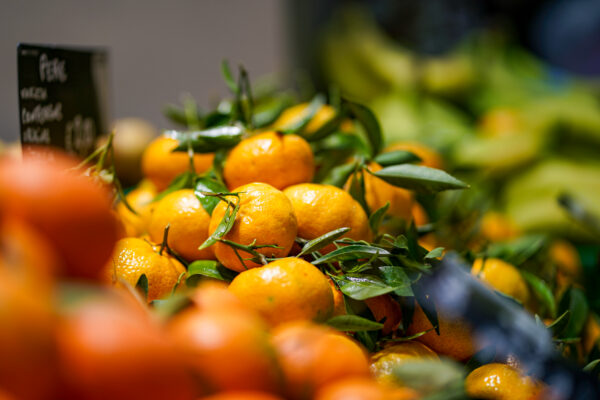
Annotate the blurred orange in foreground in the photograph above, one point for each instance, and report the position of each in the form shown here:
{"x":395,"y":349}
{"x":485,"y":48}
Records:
{"x":226,"y":350}
{"x":27,"y":352}
{"x":70,"y":210}
{"x":243,"y":396}
{"x":363,"y":389}
{"x":111,"y":349}
{"x":26,"y":255}
{"x":215,"y":296}
{"x":313,"y":356}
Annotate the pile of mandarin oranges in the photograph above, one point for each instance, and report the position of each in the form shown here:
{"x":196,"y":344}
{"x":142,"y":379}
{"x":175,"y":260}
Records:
{"x":179,"y":291}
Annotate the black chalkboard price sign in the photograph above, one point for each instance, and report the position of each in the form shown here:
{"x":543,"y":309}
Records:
{"x":63,"y":95}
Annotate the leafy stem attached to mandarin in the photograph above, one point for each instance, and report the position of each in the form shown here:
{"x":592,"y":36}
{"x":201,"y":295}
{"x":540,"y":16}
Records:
{"x":251,"y":248}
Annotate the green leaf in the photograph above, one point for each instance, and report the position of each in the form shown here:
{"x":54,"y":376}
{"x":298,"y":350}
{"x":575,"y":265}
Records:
{"x":542,"y":292}
{"x":228,"y":77}
{"x":245,"y":93}
{"x":328,"y":128}
{"x":411,"y":337}
{"x":216,"y":118}
{"x":339,"y":175}
{"x":183,"y":181}
{"x":362,"y":287}
{"x":574,"y":300}
{"x":435,"y":253}
{"x":353,"y":323}
{"x":322,"y":241}
{"x":208,"y":140}
{"x":192,"y":113}
{"x":219,"y":163}
{"x":204,"y":185}
{"x":419,"y":178}
{"x":368,"y":120}
{"x":266,"y":114}
{"x":142,"y":285}
{"x":396,"y":157}
{"x":209,"y":268}
{"x":175,"y":114}
{"x":395,"y":277}
{"x":344,"y":142}
{"x":519,"y":250}
{"x":591,"y":365}
{"x":223,"y":228}
{"x":430,"y":376}
{"x":559,"y":324}
{"x":357,"y":190}
{"x":167,"y":308}
{"x":352,"y":252}
{"x":376,"y":218}
{"x":368,"y":339}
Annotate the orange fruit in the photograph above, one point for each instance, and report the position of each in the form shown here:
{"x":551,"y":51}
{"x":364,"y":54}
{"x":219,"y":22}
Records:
{"x":132,"y":136}
{"x":503,"y":277}
{"x":27,"y":350}
{"x":378,"y":193}
{"x":215,"y":296}
{"x":110,"y":349}
{"x":363,"y":389}
{"x":385,"y":361}
{"x":188,"y":224}
{"x":429,"y":157}
{"x":339,"y":304}
{"x":591,"y":333}
{"x":285,"y":290}
{"x":265,"y":217}
{"x":500,"y":382}
{"x":270,"y":157}
{"x":429,"y":241}
{"x":293,"y":115}
{"x":313,"y":356}
{"x":70,"y":210}
{"x":455,"y":339}
{"x":501,"y":122}
{"x":324,"y":208}
{"x":297,"y":113}
{"x":160,"y":164}
{"x":242,"y":395}
{"x":134,"y":257}
{"x":26,"y":255}
{"x":139,"y":199}
{"x":496,"y":227}
{"x":385,"y":308}
{"x":568,"y":263}
{"x":226,"y":350}
{"x":419,"y":215}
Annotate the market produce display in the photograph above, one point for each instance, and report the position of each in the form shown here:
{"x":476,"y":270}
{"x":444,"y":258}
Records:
{"x":283,"y":249}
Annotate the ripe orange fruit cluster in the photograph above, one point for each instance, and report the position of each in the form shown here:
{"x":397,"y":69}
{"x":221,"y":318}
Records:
{"x":104,"y":301}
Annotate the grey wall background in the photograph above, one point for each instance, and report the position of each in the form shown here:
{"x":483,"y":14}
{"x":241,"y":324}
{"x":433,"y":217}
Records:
{"x":158,"y":49}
